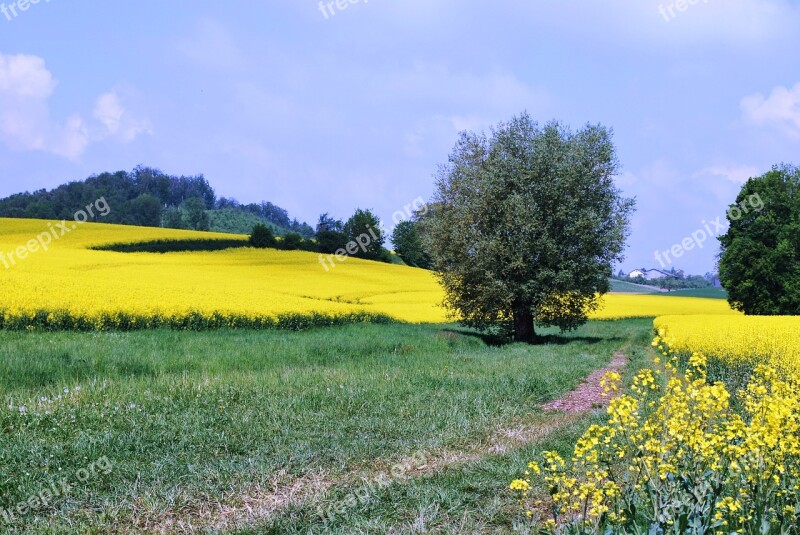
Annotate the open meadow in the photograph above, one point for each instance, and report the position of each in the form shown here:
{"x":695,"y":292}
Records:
{"x":391,"y":422}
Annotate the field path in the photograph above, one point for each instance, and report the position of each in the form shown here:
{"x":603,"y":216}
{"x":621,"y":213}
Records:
{"x":589,"y":394}
{"x":258,"y":504}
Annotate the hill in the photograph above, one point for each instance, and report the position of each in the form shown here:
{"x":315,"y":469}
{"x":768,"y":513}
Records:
{"x":148,"y":197}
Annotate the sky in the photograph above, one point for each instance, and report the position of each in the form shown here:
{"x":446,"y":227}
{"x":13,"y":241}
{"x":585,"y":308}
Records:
{"x":328,"y":107}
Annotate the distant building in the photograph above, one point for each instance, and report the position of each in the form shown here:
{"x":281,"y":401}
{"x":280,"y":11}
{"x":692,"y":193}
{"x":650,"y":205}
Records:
{"x":650,"y":274}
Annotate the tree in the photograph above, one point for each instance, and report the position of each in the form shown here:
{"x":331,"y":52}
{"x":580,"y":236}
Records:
{"x":262,"y":237}
{"x":328,"y":223}
{"x":145,"y":211}
{"x":364,"y":227}
{"x":759,"y":262}
{"x":173,"y":218}
{"x":408,"y":244}
{"x":526,"y":225}
{"x":196,"y":216}
{"x":292,"y":242}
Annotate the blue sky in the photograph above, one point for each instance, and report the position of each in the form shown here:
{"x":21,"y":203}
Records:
{"x":355,"y":107}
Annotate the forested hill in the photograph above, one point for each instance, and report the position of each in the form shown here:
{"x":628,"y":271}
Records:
{"x":149,"y":197}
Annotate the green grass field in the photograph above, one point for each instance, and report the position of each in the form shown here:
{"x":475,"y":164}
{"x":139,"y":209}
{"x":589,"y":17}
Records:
{"x":618,"y":286}
{"x":266,"y":432}
{"x":711,"y":293}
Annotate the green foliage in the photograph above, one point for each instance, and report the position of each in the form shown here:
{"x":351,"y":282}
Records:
{"x":195,"y":214}
{"x":262,"y":237}
{"x":760,"y":254}
{"x":172,"y":246}
{"x":330,"y":241}
{"x":145,"y":211}
{"x":291,"y":242}
{"x":408,"y":244}
{"x":136,"y":197}
{"x":526,"y":225}
{"x":173,"y":218}
{"x":235,"y":221}
{"x":364,"y":227}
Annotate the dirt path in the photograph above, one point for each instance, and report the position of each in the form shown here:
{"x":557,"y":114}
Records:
{"x":258,"y":504}
{"x":589,"y":394}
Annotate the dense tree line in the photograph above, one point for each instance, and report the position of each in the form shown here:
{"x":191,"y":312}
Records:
{"x":149,"y":197}
{"x":145,"y":197}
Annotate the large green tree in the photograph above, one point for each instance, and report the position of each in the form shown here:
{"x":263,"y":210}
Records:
{"x":526,"y":224}
{"x":759,"y":262}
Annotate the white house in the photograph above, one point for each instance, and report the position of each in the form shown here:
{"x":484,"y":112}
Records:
{"x":649,"y":274}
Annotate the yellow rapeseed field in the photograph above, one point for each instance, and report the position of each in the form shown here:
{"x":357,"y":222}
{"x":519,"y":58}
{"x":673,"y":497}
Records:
{"x":773,"y":339}
{"x":618,"y":306}
{"x":69,"y":278}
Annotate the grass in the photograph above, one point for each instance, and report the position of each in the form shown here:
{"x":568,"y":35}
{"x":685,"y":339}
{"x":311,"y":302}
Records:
{"x":618,"y":286}
{"x":200,"y":426}
{"x":710,"y":293}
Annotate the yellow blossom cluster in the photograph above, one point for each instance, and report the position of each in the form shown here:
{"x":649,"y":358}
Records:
{"x":676,"y":457}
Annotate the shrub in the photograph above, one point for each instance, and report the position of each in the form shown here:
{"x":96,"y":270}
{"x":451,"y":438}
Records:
{"x":330,"y":241}
{"x":172,"y":246}
{"x":292,"y":242}
{"x":262,"y":237}
{"x":675,"y":458}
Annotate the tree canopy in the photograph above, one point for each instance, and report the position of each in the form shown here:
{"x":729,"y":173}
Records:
{"x":526,"y":224}
{"x":759,"y":262}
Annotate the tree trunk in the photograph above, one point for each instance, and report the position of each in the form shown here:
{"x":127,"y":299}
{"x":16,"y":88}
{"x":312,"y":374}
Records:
{"x":523,"y":325}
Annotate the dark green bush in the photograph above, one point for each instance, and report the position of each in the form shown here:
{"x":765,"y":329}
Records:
{"x":172,"y":246}
{"x":291,"y":242}
{"x":262,"y":237}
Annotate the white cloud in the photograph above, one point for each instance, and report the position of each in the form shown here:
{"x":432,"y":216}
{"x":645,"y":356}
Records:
{"x":781,"y":109}
{"x":109,"y":111}
{"x":738,"y":174}
{"x":25,"y":76}
{"x":26,"y":86}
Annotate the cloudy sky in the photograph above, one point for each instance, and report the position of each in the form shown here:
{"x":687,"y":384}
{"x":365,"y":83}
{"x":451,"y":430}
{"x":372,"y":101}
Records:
{"x":318,"y":108}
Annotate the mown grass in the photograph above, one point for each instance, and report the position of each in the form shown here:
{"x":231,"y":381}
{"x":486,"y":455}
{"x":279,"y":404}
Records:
{"x":631,"y":287}
{"x":709,"y":293}
{"x":196,"y":423}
